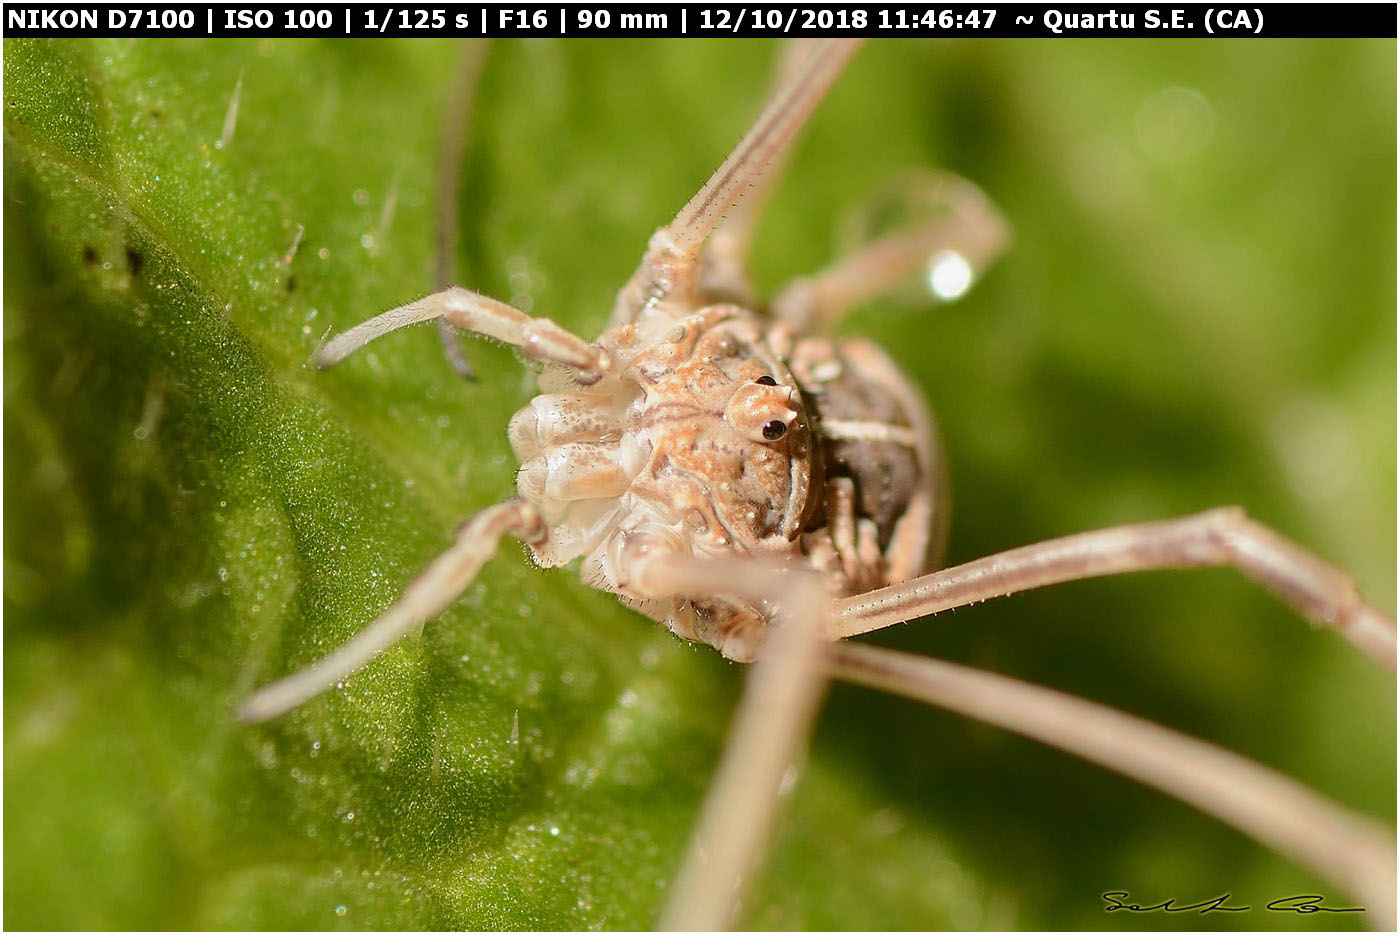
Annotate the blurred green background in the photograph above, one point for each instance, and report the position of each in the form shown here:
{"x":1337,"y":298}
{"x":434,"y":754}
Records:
{"x":1199,"y":309}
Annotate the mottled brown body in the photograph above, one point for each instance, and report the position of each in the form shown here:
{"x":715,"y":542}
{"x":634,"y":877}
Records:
{"x":709,"y":431}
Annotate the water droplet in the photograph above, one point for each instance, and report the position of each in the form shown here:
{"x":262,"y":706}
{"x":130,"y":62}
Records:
{"x":341,"y":909}
{"x":361,"y":196}
{"x":949,"y":275}
{"x":939,"y":211}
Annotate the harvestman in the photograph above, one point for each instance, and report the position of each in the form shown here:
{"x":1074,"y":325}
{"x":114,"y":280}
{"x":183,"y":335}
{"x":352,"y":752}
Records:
{"x":768,"y":490}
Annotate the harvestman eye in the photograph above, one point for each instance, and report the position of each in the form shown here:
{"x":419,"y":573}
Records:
{"x":607,"y":464}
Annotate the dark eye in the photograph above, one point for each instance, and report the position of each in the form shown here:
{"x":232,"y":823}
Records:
{"x":766,"y":380}
{"x":774,"y":430}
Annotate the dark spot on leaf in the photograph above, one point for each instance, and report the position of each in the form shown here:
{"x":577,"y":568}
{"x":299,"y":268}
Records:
{"x":292,"y":283}
{"x":134,"y":261}
{"x":89,"y":255}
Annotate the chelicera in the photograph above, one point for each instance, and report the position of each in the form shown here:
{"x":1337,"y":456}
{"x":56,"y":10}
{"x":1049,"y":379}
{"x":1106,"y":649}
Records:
{"x":737,"y":474}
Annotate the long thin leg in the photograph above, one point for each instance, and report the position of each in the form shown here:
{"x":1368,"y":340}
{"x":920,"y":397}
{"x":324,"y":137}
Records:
{"x":670,"y":267}
{"x":425,"y":597}
{"x":964,"y":242}
{"x":769,"y":733}
{"x":538,"y":338}
{"x":461,"y":99}
{"x":1349,"y":850}
{"x":724,"y":275}
{"x":1318,"y":591}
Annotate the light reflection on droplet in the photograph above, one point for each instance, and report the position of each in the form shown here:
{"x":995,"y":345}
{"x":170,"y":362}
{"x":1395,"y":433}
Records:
{"x":947,"y":218}
{"x":949,"y":275}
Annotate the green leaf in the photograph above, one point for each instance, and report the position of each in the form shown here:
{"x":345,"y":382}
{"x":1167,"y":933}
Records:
{"x":1198,"y":309}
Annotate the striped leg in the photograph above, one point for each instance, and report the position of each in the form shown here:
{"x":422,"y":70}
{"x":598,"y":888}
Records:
{"x":770,"y":728}
{"x":461,"y":100}
{"x":425,"y":597}
{"x":670,"y":269}
{"x":1353,"y":852}
{"x":952,"y":248}
{"x":724,"y":275}
{"x":537,"y":338}
{"x":1318,"y":591}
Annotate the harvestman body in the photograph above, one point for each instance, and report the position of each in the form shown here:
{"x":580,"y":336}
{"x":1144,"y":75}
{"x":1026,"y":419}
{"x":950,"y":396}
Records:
{"x":767,"y":490}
